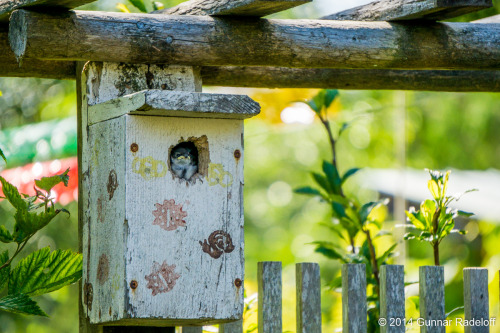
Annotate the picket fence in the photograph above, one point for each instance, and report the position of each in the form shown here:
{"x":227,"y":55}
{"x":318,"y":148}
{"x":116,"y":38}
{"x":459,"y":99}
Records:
{"x":354,"y":309}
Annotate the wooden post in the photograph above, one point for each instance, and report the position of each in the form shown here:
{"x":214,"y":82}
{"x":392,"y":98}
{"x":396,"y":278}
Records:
{"x":354,"y":309}
{"x":392,"y":299}
{"x":308,"y":285}
{"x":476,"y":300}
{"x":432,"y":311}
{"x":269,"y":281}
{"x":235,"y":327}
{"x":192,"y":329}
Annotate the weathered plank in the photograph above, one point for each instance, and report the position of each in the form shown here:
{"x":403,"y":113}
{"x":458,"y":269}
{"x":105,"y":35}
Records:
{"x":235,"y":327}
{"x":308,"y":286}
{"x":354,"y":308}
{"x":353,"y":79}
{"x":192,"y":329}
{"x":392,"y":299}
{"x":9,"y":67}
{"x":256,"y":8}
{"x":476,"y":300}
{"x":269,"y":308}
{"x":490,"y":19}
{"x":431,"y":284}
{"x":176,"y":104}
{"x":208,"y":41}
{"x":8,"y":6}
{"x":402,"y":10}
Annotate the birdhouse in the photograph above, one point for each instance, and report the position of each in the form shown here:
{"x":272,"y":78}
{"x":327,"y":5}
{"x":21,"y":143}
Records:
{"x":165,"y":219}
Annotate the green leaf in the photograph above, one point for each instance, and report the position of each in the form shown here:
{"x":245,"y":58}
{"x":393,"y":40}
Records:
{"x":2,"y":155}
{"x":21,"y":304}
{"x":47,"y":183}
{"x":434,"y":189}
{"x":343,"y":128}
{"x":328,"y":250}
{"x":387,"y":254}
{"x":416,"y":219}
{"x":382,"y":233}
{"x":427,"y":209}
{"x":329,"y":96}
{"x":338,"y":210}
{"x":415,"y":300}
{"x":323,"y":182}
{"x":333,"y":177}
{"x":366,"y":209}
{"x":139,"y":4}
{"x":460,"y":308}
{"x":349,"y":173}
{"x":27,"y":223}
{"x":408,"y":236}
{"x":12,"y":194}
{"x":4,"y":272}
{"x":308,"y":191}
{"x":43,"y":272}
{"x":5,"y":235}
{"x":464,"y":214}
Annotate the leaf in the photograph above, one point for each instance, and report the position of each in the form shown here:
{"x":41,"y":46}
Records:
{"x":42,"y":272}
{"x":454,"y":310}
{"x":47,"y":183}
{"x":343,"y":128}
{"x":307,"y":190}
{"x":4,"y":272}
{"x":434,"y":189}
{"x":12,"y":194}
{"x":387,"y":254}
{"x":427,"y":209}
{"x":5,"y":235}
{"x":1,"y":152}
{"x":408,"y":236}
{"x":158,"y":5}
{"x":416,"y":219}
{"x":329,"y":96}
{"x":464,"y":214}
{"x":122,"y":8}
{"x":333,"y":177}
{"x":139,"y":4}
{"x":415,"y":300}
{"x":27,"y":223}
{"x":366,"y":209}
{"x":328,"y":250}
{"x":21,"y":304}
{"x":323,"y":182}
{"x":382,"y":233}
{"x":349,"y":173}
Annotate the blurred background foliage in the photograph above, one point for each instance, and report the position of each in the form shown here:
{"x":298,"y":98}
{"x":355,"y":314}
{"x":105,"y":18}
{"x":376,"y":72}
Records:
{"x":282,"y":146}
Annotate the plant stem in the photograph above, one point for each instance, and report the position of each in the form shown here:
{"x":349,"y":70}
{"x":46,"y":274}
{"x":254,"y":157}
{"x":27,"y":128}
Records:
{"x":435,"y":244}
{"x":374,"y":257}
{"x":436,"y":253}
{"x":19,"y":249}
{"x":326,"y":123}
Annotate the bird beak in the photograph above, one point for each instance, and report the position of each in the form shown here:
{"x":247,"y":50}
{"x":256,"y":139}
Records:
{"x":181,"y":158}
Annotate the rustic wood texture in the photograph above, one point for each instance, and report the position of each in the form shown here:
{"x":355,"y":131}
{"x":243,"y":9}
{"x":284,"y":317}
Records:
{"x":401,"y":10}
{"x":270,"y":307}
{"x":256,"y":8}
{"x":206,"y":41}
{"x":491,"y":19}
{"x":111,"y":80}
{"x":308,"y":286}
{"x":235,"y":327}
{"x":9,"y":67}
{"x":176,"y":104}
{"x":476,"y":299}
{"x":8,"y":6}
{"x":432,"y":310}
{"x":352,"y":79}
{"x":136,"y":183}
{"x":354,"y":310}
{"x":392,"y":298}
{"x":192,"y":329}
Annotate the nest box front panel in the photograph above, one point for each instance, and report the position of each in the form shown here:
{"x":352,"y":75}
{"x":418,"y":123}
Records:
{"x":184,"y":216}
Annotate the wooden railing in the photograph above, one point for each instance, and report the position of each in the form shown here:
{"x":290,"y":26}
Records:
{"x":354,"y":309}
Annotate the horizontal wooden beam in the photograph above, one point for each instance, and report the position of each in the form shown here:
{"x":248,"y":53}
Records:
{"x":352,"y":79}
{"x":401,"y":10}
{"x":8,"y":6}
{"x":209,"y":41}
{"x":256,"y":8}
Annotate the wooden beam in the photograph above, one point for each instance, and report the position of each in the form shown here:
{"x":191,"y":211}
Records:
{"x":352,"y":79}
{"x":208,"y":41}
{"x":33,"y":67}
{"x":491,"y":19}
{"x":401,"y":10}
{"x":257,"y":8}
{"x":8,"y":6}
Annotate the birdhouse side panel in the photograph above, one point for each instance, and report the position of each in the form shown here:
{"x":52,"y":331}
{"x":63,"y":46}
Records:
{"x":104,"y":266}
{"x":184,"y":251}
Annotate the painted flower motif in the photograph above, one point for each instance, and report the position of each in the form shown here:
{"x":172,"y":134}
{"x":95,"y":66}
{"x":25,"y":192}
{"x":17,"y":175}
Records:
{"x":169,"y":216}
{"x":162,"y":278}
{"x":218,"y":242}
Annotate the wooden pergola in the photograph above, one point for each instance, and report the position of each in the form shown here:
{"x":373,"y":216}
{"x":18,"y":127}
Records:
{"x":388,"y":44}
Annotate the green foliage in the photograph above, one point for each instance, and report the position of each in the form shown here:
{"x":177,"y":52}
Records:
{"x":1,"y":152}
{"x":435,"y":219}
{"x":141,"y":5}
{"x":42,"y":271}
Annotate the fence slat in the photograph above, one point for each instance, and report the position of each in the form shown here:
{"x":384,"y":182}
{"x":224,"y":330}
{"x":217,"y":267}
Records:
{"x":392,"y":299}
{"x":235,"y":327}
{"x":476,"y":300}
{"x":192,"y":329}
{"x":354,"y":298}
{"x":269,"y":280}
{"x":308,"y":285}
{"x":432,"y":299}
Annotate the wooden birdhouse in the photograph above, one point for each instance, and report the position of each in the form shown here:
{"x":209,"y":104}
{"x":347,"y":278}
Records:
{"x":165,"y":209}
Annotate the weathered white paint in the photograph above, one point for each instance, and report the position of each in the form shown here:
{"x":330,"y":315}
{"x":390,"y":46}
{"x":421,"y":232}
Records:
{"x":132,"y":257}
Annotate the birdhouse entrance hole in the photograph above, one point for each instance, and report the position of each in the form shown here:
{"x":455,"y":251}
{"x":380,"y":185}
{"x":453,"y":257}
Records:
{"x":198,"y":150}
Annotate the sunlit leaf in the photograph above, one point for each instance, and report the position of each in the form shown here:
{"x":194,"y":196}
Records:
{"x":415,"y":220}
{"x":457,"y":309}
{"x":47,"y":183}
{"x":329,"y":96}
{"x":5,"y":235}
{"x":43,"y":272}
{"x":12,"y":194}
{"x":139,"y":4}
{"x":464,"y":214}
{"x":21,"y":304}
{"x":408,"y":236}
{"x":428,"y":208}
{"x":27,"y":223}
{"x":330,"y":252}
{"x":434,"y":189}
{"x":158,"y":5}
{"x":1,"y":152}
{"x":387,"y":254}
{"x":122,"y":8}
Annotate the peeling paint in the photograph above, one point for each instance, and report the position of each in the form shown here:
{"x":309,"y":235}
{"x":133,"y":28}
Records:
{"x":103,"y":269}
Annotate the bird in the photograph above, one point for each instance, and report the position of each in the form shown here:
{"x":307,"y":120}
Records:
{"x":184,"y":160}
